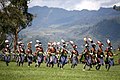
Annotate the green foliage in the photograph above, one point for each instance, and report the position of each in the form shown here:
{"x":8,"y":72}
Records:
{"x":14,"y":17}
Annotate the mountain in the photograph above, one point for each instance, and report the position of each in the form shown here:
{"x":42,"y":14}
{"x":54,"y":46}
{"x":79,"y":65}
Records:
{"x":56,"y":16}
{"x":52,"y":24}
{"x":107,"y":29}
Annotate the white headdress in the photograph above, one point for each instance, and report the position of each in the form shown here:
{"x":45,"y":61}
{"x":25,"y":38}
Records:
{"x":19,"y":42}
{"x":85,"y":39}
{"x":54,"y":43}
{"x":6,"y":41}
{"x":58,"y":43}
{"x":98,"y":42}
{"x":49,"y":43}
{"x":30,"y":42}
{"x":90,"y":39}
{"x":108,"y":41}
{"x":62,"y":40}
{"x":36,"y":45}
{"x":86,"y":45}
{"x":37,"y":41}
{"x":71,"y":42}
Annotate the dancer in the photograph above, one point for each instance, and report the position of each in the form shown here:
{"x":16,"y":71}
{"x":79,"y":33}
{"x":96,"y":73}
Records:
{"x":20,"y":54}
{"x":74,"y":56}
{"x":93,"y":52}
{"x":6,"y":52}
{"x":63,"y":57}
{"x":87,"y":56}
{"x":109,"y":56}
{"x":29,"y":53}
{"x":39,"y":53}
{"x":100,"y":55}
{"x":58,"y":54}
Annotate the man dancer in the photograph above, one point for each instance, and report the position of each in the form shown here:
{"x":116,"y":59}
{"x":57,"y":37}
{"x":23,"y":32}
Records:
{"x":63,"y":57}
{"x":74,"y":56}
{"x":6,"y":52}
{"x":21,"y":54}
{"x":93,"y":52}
{"x":53,"y":59}
{"x":58,"y":54}
{"x":29,"y":53}
{"x":100,"y":55}
{"x":86,"y":54}
{"x":48,"y":53}
{"x":39,"y":53}
{"x":51,"y":54}
{"x":109,"y":56}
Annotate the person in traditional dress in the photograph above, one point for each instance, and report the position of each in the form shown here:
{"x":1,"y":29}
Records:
{"x":20,"y":54}
{"x":29,"y":53}
{"x":6,"y":52}
{"x":100,"y":55}
{"x":58,"y":54}
{"x":74,"y":58}
{"x":87,"y":56}
{"x":48,"y":54}
{"x":53,"y":59}
{"x":109,"y":56}
{"x":63,"y":57}
{"x":38,"y":43}
{"x":39,"y":53}
{"x":74,"y":55}
{"x":93,"y":52}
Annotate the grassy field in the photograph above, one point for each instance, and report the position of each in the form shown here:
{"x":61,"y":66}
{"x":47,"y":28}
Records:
{"x":13,"y":72}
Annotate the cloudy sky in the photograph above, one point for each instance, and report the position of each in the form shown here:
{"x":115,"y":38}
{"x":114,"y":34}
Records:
{"x":75,"y":4}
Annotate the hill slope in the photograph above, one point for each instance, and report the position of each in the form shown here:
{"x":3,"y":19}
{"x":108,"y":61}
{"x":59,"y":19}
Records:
{"x":52,"y":24}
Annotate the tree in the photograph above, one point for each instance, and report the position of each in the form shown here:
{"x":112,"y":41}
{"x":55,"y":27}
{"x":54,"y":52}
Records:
{"x":14,"y":18}
{"x":3,"y":23}
{"x":116,"y":7}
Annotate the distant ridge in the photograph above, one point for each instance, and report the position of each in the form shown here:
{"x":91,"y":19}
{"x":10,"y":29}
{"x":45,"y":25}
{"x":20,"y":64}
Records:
{"x":56,"y":23}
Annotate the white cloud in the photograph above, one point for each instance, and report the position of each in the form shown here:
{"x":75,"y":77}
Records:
{"x":118,"y":4}
{"x":90,"y":5}
{"x":75,"y":4}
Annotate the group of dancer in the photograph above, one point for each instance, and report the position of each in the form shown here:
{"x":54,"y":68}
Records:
{"x":97,"y":58}
{"x":59,"y":53}
{"x":56,"y":53}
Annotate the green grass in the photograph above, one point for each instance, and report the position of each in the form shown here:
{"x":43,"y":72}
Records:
{"x":13,"y":72}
